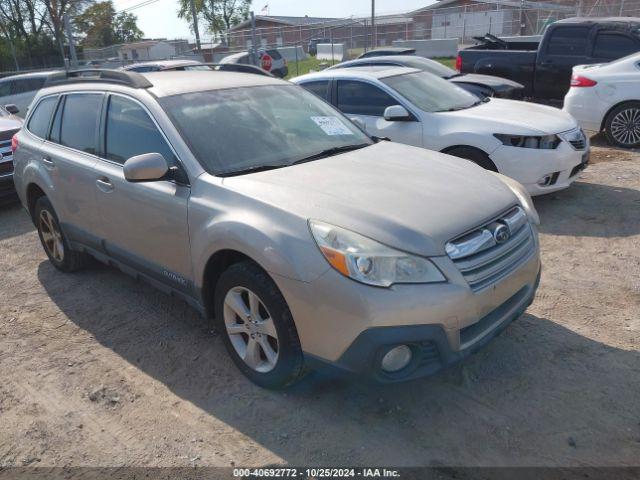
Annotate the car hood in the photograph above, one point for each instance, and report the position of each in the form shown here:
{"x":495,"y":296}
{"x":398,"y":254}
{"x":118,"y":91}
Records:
{"x":406,"y":197}
{"x":519,"y":118}
{"x":497,"y":83}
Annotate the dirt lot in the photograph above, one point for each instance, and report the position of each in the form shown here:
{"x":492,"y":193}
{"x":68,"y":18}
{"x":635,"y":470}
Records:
{"x":96,"y":369}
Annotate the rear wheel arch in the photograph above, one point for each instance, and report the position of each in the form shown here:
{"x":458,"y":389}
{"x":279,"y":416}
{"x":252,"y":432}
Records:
{"x":474,"y":154}
{"x":603,"y":123}
{"x":34,"y":192}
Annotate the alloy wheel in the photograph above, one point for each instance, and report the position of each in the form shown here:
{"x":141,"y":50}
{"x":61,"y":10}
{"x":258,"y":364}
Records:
{"x":51,"y":236}
{"x":625,"y":126}
{"x":251,"y":329}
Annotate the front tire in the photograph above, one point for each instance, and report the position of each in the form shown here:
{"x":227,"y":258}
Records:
{"x":53,"y":240}
{"x":257,"y":327}
{"x":622,"y":126}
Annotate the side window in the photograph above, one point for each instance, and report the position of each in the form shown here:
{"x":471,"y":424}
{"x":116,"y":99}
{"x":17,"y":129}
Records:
{"x":359,"y":98}
{"x":320,"y":88}
{"x":5,"y":88}
{"x":614,"y":45}
{"x":568,"y":41}
{"x":130,"y":131}
{"x":80,"y":121}
{"x":39,"y":121}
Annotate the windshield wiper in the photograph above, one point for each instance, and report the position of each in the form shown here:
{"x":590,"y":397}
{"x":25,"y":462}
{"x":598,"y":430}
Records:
{"x":254,"y":169}
{"x":330,"y":152}
{"x":474,"y":104}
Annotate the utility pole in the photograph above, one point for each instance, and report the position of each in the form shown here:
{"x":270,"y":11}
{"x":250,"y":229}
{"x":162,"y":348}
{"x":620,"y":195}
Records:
{"x":72,"y":47}
{"x":254,"y":57}
{"x":373,"y":24}
{"x":195,"y":24}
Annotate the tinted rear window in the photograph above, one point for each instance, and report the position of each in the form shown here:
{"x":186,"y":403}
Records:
{"x":80,"y":121}
{"x":320,"y":88}
{"x":568,"y":41}
{"x":39,"y":121}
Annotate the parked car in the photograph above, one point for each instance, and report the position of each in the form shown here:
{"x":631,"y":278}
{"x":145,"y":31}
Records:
{"x":313,"y":45}
{"x":19,"y":90}
{"x":161,"y":65}
{"x":545,"y":68}
{"x":480,"y":85}
{"x":277,"y":217}
{"x":9,"y":126}
{"x":386,"y":51}
{"x":539,"y":146}
{"x":606,"y":97}
{"x":270,"y":60}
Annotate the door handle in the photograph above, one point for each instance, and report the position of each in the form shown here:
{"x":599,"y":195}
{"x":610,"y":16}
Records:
{"x":48,"y":163}
{"x":104,"y":184}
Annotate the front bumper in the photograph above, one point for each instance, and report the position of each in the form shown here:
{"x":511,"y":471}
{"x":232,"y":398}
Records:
{"x":7,"y":188}
{"x":431,"y":350}
{"x":349,"y":325}
{"x":529,"y":166}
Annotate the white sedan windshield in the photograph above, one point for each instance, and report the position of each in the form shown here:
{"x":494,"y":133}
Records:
{"x":431,"y":93}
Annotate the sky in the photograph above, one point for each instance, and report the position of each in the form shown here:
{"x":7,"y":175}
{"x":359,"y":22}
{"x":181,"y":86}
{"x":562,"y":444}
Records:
{"x":159,"y":19}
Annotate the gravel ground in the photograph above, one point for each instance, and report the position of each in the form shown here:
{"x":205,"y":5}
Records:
{"x":97,"y":369}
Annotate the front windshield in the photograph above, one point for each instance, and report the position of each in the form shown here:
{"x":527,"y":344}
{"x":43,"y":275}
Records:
{"x":431,"y":66}
{"x":431,"y":93}
{"x":243,"y":129}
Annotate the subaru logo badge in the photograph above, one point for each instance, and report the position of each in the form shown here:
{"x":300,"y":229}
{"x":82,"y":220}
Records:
{"x":501,"y":234}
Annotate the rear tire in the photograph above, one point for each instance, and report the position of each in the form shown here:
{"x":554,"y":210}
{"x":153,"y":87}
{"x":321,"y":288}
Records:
{"x":53,"y":239}
{"x":473,"y":154}
{"x":622,"y":126}
{"x":257,"y":327}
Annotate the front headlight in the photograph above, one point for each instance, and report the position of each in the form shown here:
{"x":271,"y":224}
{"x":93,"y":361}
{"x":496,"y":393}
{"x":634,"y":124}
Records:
{"x":368,"y":261}
{"x":545,"y":142}
{"x":523,"y":197}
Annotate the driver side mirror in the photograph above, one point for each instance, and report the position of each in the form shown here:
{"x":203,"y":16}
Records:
{"x":147,"y":167}
{"x":12,"y":108}
{"x":397,"y":113}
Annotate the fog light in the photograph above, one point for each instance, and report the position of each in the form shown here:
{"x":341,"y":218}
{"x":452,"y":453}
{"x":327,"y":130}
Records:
{"x":544,"y":181}
{"x":396,"y":359}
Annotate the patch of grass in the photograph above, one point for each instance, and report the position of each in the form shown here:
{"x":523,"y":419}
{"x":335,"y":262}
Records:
{"x":449,"y":62}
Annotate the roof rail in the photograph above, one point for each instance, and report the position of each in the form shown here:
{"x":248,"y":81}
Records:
{"x":131,"y":79}
{"x":222,"y":67}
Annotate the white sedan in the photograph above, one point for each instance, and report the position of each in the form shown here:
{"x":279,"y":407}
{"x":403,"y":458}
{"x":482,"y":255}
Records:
{"x":607,"y":97}
{"x":541,"y":147}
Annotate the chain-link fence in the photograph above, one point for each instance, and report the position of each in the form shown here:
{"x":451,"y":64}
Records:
{"x":297,"y":38}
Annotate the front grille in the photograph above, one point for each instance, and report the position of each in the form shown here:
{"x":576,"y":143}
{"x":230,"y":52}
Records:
{"x":494,"y":250}
{"x":7,"y":134}
{"x":576,"y":138}
{"x":429,"y":355}
{"x":6,"y":168}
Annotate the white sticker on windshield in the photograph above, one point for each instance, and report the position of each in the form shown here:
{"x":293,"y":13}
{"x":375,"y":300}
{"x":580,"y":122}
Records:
{"x":332,"y":125}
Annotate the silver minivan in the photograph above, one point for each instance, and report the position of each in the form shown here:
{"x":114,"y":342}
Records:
{"x":306,"y":242}
{"x":20,"y":89}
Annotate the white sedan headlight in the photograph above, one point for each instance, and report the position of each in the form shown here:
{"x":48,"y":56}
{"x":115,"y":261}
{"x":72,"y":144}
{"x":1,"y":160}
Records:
{"x":523,"y":197}
{"x":368,"y":261}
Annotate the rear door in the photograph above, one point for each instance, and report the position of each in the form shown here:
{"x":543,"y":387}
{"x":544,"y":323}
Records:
{"x":69,"y":155}
{"x":143,"y":224}
{"x":565,"y":47}
{"x":367,"y":102}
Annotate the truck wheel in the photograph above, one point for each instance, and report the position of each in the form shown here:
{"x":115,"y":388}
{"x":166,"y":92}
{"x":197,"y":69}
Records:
{"x":257,"y":327}
{"x":475,"y":155}
{"x":53,"y":240}
{"x":622,"y":126}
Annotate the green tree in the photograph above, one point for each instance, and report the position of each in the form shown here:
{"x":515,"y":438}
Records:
{"x":101,"y":26}
{"x":218,"y":15}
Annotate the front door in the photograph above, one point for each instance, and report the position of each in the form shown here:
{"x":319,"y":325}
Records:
{"x":144,"y":224}
{"x":367,"y":102}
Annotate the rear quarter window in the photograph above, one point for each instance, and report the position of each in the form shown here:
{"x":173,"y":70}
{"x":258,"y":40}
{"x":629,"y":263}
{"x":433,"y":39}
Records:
{"x":611,"y":45}
{"x":41,"y":117}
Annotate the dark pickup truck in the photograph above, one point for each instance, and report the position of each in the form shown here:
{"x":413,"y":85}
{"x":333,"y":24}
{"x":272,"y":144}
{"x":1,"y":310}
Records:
{"x":544,"y":68}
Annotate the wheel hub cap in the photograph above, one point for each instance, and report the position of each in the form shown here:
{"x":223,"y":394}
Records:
{"x":51,"y":236}
{"x":251,"y":329}
{"x":625,"y":126}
